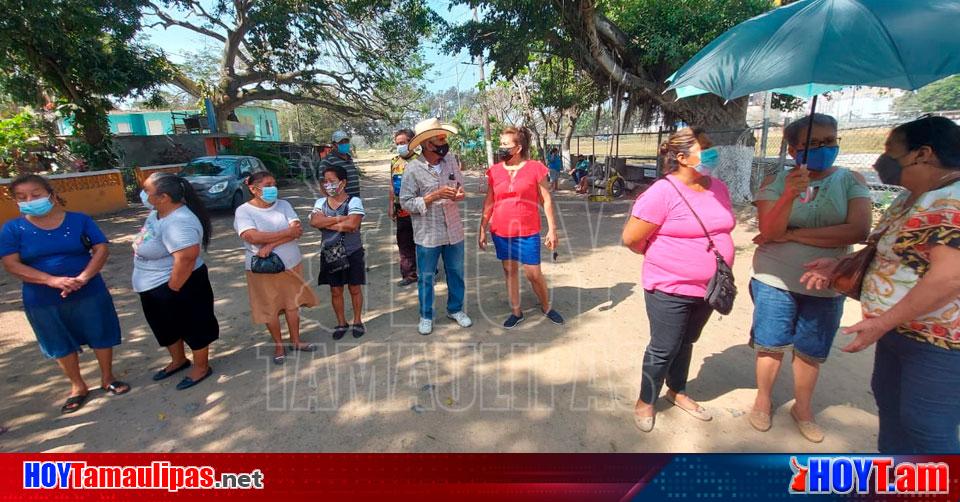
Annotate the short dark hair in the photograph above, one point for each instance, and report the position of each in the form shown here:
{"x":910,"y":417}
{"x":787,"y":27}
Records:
{"x":24,"y":179}
{"x":337,"y":171}
{"x":522,"y":136}
{"x":406,"y":131}
{"x":257,"y":177}
{"x":941,"y":134}
{"x":792,"y":131}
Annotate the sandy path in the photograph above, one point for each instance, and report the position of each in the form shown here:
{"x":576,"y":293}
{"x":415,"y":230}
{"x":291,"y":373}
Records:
{"x":537,"y":388}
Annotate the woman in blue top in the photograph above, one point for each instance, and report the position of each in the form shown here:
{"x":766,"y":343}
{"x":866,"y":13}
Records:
{"x":58,"y":255}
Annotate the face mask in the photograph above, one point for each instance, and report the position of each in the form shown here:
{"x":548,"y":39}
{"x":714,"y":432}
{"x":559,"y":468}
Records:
{"x":144,"y":197}
{"x":888,"y":169}
{"x":403,"y":150}
{"x":36,"y":207}
{"x":819,"y":159}
{"x":343,"y":148}
{"x":269,"y":194}
{"x":709,"y":159}
{"x":332,"y":189}
{"x":441,"y":150}
{"x":504,"y":154}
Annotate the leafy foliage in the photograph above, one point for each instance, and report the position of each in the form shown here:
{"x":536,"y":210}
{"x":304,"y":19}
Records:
{"x":77,"y":53}
{"x":938,"y":96}
{"x":264,"y":151}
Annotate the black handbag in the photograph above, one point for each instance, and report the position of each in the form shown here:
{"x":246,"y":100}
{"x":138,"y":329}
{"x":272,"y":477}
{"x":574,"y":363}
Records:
{"x":272,"y":264}
{"x":334,"y":256}
{"x":722,"y":289}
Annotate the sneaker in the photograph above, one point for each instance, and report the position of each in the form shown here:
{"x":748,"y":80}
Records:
{"x":513,"y":321}
{"x":462,"y":319}
{"x":425,"y":327}
{"x":554,"y":316}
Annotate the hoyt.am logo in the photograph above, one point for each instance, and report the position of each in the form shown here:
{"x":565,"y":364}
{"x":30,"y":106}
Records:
{"x":879,"y":475}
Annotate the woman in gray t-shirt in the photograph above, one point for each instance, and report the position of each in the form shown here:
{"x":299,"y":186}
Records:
{"x":171,"y":278}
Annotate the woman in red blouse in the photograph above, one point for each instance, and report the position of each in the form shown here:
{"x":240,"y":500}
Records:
{"x":517,"y":188}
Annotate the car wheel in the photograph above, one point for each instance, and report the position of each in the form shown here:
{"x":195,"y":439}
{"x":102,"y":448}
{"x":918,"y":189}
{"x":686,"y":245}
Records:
{"x":237,"y":200}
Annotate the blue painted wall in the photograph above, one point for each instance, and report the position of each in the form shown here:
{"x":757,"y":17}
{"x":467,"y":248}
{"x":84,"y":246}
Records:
{"x":261,"y":121}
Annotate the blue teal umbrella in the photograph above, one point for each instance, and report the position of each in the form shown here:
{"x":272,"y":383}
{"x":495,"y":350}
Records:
{"x":815,"y":46}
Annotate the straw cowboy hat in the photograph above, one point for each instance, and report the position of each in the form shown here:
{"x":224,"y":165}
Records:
{"x":429,"y":128}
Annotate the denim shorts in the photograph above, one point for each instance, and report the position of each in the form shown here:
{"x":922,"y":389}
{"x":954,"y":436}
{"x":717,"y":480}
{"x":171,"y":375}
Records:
{"x":65,"y":328}
{"x":783,"y":321}
{"x":525,"y":250}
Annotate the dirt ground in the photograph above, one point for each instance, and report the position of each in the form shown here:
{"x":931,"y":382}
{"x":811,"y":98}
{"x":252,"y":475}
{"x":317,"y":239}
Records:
{"x":538,"y":388}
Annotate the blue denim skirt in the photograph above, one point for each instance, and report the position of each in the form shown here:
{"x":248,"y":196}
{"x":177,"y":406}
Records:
{"x":65,"y":328}
{"x":525,"y":250}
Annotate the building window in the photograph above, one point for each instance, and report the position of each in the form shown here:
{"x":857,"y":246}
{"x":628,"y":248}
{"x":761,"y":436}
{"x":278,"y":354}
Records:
{"x":124,"y":128}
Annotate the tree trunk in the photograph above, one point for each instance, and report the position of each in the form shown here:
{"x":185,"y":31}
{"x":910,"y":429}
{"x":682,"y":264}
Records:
{"x":569,"y":119}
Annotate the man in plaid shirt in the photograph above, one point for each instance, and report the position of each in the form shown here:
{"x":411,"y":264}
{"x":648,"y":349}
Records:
{"x":432,"y":186}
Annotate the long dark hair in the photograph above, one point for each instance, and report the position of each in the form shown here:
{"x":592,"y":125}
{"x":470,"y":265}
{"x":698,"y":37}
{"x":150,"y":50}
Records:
{"x":941,"y":134}
{"x":180,"y":190}
{"x":24,"y":179}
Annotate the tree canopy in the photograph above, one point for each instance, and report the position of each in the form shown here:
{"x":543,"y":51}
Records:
{"x":349,"y":57}
{"x":941,"y":95}
{"x":80,"y":53}
{"x":628,"y":48}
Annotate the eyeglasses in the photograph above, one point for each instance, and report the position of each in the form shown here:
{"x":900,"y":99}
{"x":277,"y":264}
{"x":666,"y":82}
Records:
{"x":820,"y":144}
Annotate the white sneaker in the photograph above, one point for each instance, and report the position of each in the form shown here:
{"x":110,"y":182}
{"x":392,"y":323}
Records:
{"x":462,"y":319}
{"x":425,"y":327}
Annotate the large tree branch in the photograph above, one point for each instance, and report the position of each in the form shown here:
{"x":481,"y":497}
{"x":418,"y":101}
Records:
{"x":261,"y":94}
{"x":166,"y":21}
{"x":188,"y":85}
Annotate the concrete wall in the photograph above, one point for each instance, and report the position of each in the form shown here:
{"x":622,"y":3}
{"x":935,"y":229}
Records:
{"x":93,"y":193}
{"x":158,"y":150}
{"x":257,"y":121}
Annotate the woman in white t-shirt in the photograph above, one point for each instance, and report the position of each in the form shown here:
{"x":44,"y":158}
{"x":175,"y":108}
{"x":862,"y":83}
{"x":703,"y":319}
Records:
{"x":269,"y":225}
{"x":171,"y":278}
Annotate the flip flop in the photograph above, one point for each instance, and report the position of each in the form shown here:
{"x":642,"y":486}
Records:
{"x":358,"y":330}
{"x":73,"y":404}
{"x":309,"y":347}
{"x":339,"y":331}
{"x":163,"y":373}
{"x":700,"y":413}
{"x":279,"y":360}
{"x":188,"y":382}
{"x":117,"y":388}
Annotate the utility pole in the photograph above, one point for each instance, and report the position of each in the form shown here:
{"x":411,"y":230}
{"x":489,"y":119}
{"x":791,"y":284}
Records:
{"x":483,"y":105}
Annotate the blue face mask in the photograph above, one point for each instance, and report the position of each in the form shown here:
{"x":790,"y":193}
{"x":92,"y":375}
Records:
{"x":269,"y":194}
{"x":36,"y":207}
{"x":818,"y":159}
{"x":709,"y":159}
{"x":343,"y":148}
{"x":403,"y":150}
{"x":145,"y":198}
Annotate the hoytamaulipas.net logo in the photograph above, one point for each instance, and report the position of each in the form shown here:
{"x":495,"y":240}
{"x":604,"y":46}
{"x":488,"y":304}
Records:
{"x":159,"y":475}
{"x":879,"y":475}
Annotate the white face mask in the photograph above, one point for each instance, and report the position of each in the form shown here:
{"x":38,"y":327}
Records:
{"x":403,"y":150}
{"x":332,"y":188}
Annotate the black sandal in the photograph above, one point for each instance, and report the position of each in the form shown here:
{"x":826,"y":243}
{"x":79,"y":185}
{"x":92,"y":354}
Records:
{"x":358,"y":330}
{"x":339,"y":331}
{"x":307,"y":347}
{"x":188,"y":382}
{"x":73,"y":404}
{"x":163,"y":373}
{"x":117,"y":388}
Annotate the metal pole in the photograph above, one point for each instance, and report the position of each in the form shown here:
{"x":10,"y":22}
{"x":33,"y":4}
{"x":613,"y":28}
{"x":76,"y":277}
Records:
{"x":483,"y":105}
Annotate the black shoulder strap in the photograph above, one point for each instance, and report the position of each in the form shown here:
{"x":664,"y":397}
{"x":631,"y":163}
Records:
{"x":712,"y":246}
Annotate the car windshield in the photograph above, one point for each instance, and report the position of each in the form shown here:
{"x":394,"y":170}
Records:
{"x":210,"y":167}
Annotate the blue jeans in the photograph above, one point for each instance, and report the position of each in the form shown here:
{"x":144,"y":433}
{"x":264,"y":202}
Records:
{"x":915,"y":385}
{"x":427,"y":259}
{"x":783,"y":320}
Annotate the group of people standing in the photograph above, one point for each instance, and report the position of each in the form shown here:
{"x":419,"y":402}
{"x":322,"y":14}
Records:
{"x":809,"y":217}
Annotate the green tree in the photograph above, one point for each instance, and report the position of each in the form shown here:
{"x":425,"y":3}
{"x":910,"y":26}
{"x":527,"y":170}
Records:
{"x":627,"y":47}
{"x":938,"y":96}
{"x":341,"y":56}
{"x":81,"y":53}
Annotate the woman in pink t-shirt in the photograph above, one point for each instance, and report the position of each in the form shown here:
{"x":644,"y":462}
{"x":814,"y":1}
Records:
{"x":517,"y":188}
{"x":678,"y":265}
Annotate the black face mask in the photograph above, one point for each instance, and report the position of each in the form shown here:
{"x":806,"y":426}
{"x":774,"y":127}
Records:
{"x":441,"y":150}
{"x":504,"y":154}
{"x":888,"y":169}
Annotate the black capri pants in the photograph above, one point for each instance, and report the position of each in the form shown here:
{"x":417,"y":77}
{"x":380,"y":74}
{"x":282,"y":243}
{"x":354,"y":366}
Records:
{"x":185,"y":315}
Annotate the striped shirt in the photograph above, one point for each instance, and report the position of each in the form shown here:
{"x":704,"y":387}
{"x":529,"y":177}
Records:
{"x":439,"y":223}
{"x":346,"y":162}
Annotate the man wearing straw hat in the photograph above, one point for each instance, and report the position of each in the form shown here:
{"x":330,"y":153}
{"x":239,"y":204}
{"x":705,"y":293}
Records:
{"x":431,"y":187}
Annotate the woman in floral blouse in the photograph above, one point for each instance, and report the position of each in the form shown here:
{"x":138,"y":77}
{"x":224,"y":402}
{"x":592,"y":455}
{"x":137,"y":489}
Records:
{"x":911,"y":294}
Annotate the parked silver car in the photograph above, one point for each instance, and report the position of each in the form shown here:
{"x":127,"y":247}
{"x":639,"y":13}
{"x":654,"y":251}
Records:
{"x":219,"y":180}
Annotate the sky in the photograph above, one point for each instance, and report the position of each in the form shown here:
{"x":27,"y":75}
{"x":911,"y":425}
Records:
{"x":447,"y":71}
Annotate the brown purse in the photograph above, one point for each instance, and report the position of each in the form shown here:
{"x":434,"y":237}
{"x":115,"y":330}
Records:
{"x":847,"y":277}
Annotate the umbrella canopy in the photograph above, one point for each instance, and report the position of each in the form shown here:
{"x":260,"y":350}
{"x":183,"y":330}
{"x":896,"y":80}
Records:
{"x":815,"y":46}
